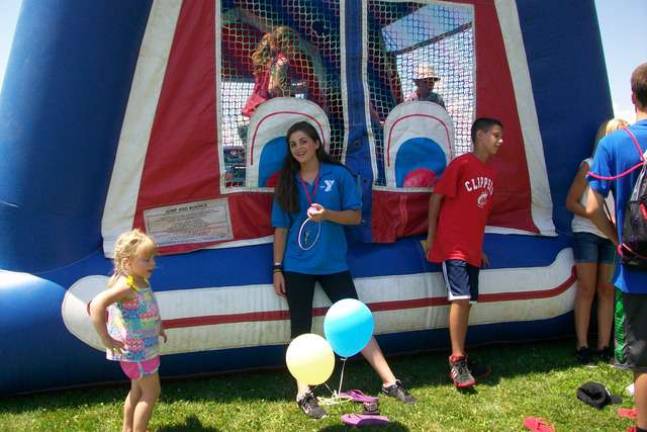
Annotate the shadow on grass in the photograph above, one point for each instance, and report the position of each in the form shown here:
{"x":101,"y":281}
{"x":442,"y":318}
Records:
{"x":391,"y":427}
{"x":415,"y":370}
{"x":506,"y":360}
{"x":191,"y":424}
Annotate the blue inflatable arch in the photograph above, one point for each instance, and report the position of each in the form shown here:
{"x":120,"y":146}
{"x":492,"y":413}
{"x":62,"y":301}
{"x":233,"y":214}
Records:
{"x":116,"y":114}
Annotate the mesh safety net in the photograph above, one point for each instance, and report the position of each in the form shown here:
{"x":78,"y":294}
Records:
{"x":421,"y":51}
{"x":408,"y":44}
{"x":303,"y":61}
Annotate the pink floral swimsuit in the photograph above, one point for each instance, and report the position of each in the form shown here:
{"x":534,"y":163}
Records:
{"x":135,"y":322}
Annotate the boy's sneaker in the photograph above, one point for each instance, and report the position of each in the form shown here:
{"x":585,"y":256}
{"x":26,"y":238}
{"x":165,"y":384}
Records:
{"x":398,"y":391}
{"x":309,"y":405}
{"x":460,"y":373}
{"x":584,"y":355}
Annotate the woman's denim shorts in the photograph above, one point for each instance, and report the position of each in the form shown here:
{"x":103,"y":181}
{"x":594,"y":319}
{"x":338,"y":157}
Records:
{"x":589,"y":248}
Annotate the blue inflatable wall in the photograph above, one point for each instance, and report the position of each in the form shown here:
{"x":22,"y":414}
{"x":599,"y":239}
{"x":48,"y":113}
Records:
{"x":61,"y":111}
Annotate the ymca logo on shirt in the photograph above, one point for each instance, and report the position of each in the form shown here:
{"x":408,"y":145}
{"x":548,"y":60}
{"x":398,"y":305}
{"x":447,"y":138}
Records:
{"x":484,"y":186}
{"x":327,"y":186}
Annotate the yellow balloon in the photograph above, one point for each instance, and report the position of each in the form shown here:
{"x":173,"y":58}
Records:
{"x":310,"y":359}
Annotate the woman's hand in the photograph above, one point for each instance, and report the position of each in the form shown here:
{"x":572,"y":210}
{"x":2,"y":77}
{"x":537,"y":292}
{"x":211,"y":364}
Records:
{"x":279,"y":284}
{"x":316,"y":212}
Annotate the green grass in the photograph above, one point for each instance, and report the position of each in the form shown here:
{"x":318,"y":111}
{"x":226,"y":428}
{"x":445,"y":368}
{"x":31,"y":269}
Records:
{"x":533,"y":379}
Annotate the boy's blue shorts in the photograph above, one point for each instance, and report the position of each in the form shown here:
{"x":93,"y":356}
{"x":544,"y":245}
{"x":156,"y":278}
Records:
{"x":462,"y":280}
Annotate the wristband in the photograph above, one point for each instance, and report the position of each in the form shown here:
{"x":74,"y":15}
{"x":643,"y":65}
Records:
{"x":277,"y":266}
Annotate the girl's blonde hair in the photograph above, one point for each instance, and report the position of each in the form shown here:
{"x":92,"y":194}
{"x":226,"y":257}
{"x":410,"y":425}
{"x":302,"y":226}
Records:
{"x":607,"y":127}
{"x":262,"y":54}
{"x":283,"y":38}
{"x":129,"y":245}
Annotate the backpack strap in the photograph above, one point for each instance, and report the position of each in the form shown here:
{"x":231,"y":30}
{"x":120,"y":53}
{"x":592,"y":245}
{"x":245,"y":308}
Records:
{"x":625,"y":251}
{"x":636,"y":143}
{"x":627,"y":171}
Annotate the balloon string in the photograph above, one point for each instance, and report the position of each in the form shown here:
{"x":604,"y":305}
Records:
{"x":341,"y":376}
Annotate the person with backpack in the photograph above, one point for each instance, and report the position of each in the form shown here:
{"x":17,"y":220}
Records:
{"x":619,"y":167}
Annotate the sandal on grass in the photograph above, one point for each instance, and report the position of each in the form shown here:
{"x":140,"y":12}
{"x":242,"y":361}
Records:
{"x":370,"y":403}
{"x":537,"y":424}
{"x":357,"y":396}
{"x":629,"y":413}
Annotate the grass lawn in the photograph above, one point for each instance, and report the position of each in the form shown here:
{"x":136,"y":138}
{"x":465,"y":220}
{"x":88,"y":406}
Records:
{"x":533,"y":379}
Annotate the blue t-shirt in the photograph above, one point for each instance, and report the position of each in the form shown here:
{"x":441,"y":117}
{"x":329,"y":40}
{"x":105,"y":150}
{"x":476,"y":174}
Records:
{"x":337,"y":191}
{"x":617,"y":153}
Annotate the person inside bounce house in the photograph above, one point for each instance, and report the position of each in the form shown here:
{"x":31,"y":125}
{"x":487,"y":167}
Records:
{"x":425,"y":78}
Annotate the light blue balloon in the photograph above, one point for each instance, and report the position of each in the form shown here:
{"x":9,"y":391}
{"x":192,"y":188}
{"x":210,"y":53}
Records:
{"x":348,"y":326}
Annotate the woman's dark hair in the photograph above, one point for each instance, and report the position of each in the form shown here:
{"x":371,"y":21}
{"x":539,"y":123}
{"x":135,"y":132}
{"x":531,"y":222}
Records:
{"x":286,"y":188}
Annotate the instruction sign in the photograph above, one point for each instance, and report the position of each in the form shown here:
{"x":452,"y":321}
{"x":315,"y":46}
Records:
{"x":196,"y":222}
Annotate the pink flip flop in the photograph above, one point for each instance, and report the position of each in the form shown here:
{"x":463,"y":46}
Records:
{"x":360,"y":420}
{"x":356,"y":395}
{"x":371,"y":405}
{"x":537,"y":424}
{"x":629,"y":413}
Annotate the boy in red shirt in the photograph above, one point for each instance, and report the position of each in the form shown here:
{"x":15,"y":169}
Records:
{"x":458,"y":211}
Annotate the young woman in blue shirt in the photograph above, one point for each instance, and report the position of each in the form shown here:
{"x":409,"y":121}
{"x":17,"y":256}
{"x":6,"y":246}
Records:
{"x":312,"y":185}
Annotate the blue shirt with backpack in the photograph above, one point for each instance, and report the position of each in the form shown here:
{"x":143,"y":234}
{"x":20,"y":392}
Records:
{"x":617,"y":167}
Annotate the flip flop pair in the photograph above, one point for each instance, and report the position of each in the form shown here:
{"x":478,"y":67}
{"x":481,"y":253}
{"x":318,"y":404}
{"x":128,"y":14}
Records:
{"x":359,"y":420}
{"x":356,"y":395}
{"x":629,"y":413}
{"x":370,"y":403}
{"x":537,"y":424}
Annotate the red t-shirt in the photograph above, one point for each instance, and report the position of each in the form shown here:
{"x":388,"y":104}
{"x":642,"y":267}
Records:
{"x":467,"y":186}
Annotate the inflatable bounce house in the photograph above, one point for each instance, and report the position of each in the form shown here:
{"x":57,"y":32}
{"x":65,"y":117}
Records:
{"x":122,"y":114}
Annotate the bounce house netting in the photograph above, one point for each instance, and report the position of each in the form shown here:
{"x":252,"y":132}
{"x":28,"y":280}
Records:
{"x":310,"y":42}
{"x":401,"y":37}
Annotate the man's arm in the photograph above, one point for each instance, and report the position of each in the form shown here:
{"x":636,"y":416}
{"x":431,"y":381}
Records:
{"x":434,"y":210}
{"x":595,"y":212}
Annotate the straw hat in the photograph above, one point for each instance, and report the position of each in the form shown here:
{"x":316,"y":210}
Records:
{"x":425,"y":71}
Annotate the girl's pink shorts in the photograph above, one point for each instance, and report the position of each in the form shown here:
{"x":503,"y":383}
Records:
{"x":137,"y":370}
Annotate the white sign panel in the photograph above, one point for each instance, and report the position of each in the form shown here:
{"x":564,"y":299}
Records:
{"x":195,"y":222}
